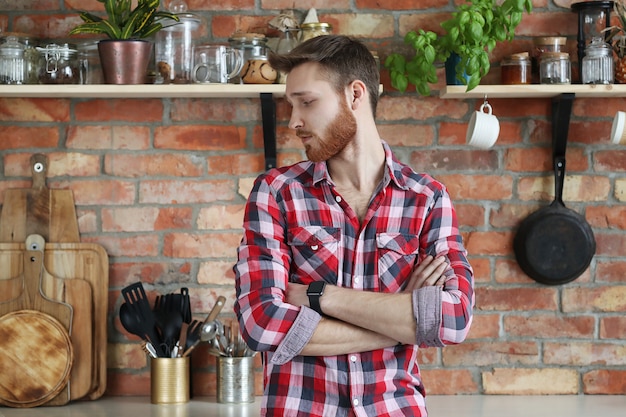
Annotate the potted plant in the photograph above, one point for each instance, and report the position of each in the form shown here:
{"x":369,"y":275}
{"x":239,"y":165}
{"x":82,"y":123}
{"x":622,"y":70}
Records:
{"x":617,"y":39}
{"x":469,"y":35}
{"x":126,"y":29}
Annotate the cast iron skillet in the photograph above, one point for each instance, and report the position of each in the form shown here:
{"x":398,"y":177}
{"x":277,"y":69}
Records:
{"x":555,"y":244}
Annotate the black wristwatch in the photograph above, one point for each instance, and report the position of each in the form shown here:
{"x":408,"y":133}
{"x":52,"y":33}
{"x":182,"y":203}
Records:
{"x":314,"y":292}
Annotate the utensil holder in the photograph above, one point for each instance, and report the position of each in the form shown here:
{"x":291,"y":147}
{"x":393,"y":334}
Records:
{"x":169,"y":380}
{"x":235,"y":379}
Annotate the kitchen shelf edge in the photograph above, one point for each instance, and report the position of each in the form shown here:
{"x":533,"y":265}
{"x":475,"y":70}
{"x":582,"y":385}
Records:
{"x":533,"y":91}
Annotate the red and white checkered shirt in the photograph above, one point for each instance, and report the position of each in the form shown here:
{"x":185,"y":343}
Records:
{"x":297,"y":228}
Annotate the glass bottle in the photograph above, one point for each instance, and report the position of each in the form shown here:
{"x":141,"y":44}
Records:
{"x":598,"y":64}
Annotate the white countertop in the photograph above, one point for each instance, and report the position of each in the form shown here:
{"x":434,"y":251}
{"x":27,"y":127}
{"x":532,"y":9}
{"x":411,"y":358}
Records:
{"x":439,"y":406}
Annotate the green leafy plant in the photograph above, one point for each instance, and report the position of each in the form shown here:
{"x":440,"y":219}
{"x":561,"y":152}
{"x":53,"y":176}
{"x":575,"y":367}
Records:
{"x":124,"y":22}
{"x":471,"y":33}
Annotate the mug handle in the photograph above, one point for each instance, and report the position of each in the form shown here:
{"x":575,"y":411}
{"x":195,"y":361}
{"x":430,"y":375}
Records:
{"x":238,"y":55}
{"x":201,"y":73}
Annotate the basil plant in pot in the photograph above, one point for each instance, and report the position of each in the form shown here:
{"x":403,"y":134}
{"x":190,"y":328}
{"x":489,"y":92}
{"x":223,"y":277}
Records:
{"x":470,"y":34}
{"x":125,"y":52}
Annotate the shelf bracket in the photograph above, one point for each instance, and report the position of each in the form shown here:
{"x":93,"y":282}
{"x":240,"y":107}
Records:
{"x":561,"y":112}
{"x":268,"y":114}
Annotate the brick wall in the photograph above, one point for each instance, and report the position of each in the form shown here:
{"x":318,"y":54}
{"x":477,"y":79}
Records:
{"x":161,"y":185}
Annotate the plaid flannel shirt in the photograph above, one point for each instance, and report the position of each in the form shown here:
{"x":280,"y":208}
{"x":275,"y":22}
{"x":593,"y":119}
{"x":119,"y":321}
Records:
{"x":298,"y":229}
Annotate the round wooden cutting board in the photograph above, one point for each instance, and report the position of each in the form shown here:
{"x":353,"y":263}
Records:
{"x":36,"y":358}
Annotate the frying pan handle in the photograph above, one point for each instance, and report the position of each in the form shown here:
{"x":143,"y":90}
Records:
{"x":559,"y":178}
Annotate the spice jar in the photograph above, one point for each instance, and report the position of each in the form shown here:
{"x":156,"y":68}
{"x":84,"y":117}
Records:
{"x":597,"y":67}
{"x":555,"y":68}
{"x":515,"y":69}
{"x":58,"y":64}
{"x":544,"y":44}
{"x":311,"y":30}
{"x":12,"y":69}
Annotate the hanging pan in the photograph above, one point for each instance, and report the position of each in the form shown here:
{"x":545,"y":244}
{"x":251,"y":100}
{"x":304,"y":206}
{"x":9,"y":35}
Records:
{"x":555,"y":244}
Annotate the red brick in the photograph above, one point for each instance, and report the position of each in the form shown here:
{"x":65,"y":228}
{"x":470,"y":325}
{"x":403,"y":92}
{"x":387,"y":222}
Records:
{"x":485,"y":326}
{"x":46,"y":26}
{"x":400,"y":4}
{"x":238,"y":164}
{"x":188,"y":245}
{"x":613,"y":328}
{"x":508,"y":271}
{"x":480,"y":187}
{"x":406,"y":134}
{"x":610,"y":271}
{"x":16,"y":137}
{"x":108,"y":137}
{"x":454,"y":160}
{"x":59,"y":164}
{"x":402,"y":107}
{"x":470,"y":215}
{"x":221,"y":5}
{"x":576,"y":188}
{"x":481,"y":353}
{"x":449,"y":381}
{"x":123,"y":110}
{"x":216,"y":273}
{"x":224,"y":25}
{"x":481,"y":267}
{"x":516,"y":298}
{"x":34,"y":110}
{"x":522,"y":381}
{"x":131,"y":246}
{"x":123,"y":274}
{"x":221,"y":217}
{"x":185,"y":191}
{"x":200,"y":137}
{"x":143,"y":219}
{"x":169,"y":164}
{"x":585,"y":353}
{"x":598,"y":299}
{"x":489,"y":243}
{"x":219,"y":110}
{"x":610,"y":161}
{"x":550,"y":326}
{"x":87,"y":5}
{"x":605,"y":381}
{"x":510,"y":215}
{"x":124,"y":383}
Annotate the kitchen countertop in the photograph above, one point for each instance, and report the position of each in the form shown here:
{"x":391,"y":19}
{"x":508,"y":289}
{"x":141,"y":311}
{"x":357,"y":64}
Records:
{"x":439,"y":406}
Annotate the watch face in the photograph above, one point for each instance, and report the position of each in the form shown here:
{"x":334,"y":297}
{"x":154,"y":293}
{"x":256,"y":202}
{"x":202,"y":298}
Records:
{"x":316,"y":288}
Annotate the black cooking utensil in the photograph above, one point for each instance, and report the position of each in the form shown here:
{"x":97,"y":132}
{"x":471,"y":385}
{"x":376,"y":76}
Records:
{"x":135,"y":297}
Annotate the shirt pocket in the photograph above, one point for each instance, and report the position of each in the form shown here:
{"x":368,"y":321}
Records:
{"x":397,"y":253}
{"x":315,"y":252}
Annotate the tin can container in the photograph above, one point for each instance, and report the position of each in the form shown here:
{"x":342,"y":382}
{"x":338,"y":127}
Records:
{"x":515,"y":69}
{"x":169,"y":380}
{"x":235,"y":379}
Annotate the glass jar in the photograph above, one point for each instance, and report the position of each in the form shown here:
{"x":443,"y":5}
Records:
{"x":12,"y":68}
{"x":31,"y":56}
{"x":311,"y":30}
{"x":58,"y":64}
{"x":173,"y":48}
{"x":515,"y":69}
{"x":555,"y":68}
{"x":544,"y":44}
{"x":251,"y":45}
{"x":598,"y":64}
{"x":89,"y":61}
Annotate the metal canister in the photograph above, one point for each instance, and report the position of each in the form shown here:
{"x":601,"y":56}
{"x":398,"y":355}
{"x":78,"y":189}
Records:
{"x":58,"y":64}
{"x":235,"y":379}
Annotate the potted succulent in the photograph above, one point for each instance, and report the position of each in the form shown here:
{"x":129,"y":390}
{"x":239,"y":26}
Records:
{"x":617,"y":39}
{"x":126,"y":29}
{"x":470,"y":34}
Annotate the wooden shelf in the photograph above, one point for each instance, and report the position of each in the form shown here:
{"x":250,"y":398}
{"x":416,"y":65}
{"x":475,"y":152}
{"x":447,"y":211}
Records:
{"x":534,"y":91}
{"x":142,"y":90}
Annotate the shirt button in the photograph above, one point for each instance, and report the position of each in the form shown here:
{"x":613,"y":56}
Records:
{"x":353,"y":358}
{"x":355,"y":402}
{"x":338,"y":199}
{"x":314,"y":247}
{"x":356,"y":280}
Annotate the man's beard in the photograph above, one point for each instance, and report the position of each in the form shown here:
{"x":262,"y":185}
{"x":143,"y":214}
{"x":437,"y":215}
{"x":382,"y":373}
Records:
{"x":338,"y":134}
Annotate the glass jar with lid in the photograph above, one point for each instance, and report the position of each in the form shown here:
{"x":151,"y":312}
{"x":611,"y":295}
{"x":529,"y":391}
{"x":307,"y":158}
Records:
{"x":251,"y":45}
{"x":12,"y":68}
{"x":89,"y":61}
{"x":58,"y":64}
{"x":313,"y":29}
{"x":515,"y":69}
{"x":543,"y":44}
{"x":597,"y":66}
{"x":555,"y":68}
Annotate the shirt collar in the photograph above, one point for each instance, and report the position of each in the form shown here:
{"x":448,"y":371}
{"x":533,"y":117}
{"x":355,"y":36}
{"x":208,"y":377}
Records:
{"x":393,"y":171}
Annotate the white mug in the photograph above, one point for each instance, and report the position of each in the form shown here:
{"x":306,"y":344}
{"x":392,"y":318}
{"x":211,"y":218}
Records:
{"x":618,"y":133}
{"x":215,"y":63}
{"x":483,"y":128}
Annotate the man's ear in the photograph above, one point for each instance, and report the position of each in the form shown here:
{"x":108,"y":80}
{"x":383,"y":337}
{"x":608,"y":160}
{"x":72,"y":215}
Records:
{"x":358,"y":94}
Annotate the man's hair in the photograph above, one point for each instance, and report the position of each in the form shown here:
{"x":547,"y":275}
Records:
{"x":343,"y":60}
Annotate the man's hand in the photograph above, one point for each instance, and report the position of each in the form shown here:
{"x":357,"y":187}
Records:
{"x":429,"y":272}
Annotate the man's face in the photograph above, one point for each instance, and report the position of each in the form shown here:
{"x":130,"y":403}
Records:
{"x":320,"y":117}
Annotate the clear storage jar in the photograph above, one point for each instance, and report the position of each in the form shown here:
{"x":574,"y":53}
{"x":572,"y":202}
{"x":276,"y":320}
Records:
{"x":598,"y":66}
{"x":89,"y":61}
{"x":12,"y":66}
{"x":515,"y":69}
{"x":251,"y":45}
{"x":543,"y":44}
{"x":555,"y":68}
{"x":58,"y":64}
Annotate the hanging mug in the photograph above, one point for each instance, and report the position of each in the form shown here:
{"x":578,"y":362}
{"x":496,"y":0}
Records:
{"x":483,"y":128}
{"x":216,"y":63}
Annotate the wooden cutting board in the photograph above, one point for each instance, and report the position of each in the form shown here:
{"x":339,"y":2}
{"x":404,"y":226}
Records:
{"x":71,"y":262}
{"x":38,"y":210}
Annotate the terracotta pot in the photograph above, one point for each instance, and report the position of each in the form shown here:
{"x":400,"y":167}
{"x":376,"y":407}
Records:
{"x":125,"y":61}
{"x":620,"y":70}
